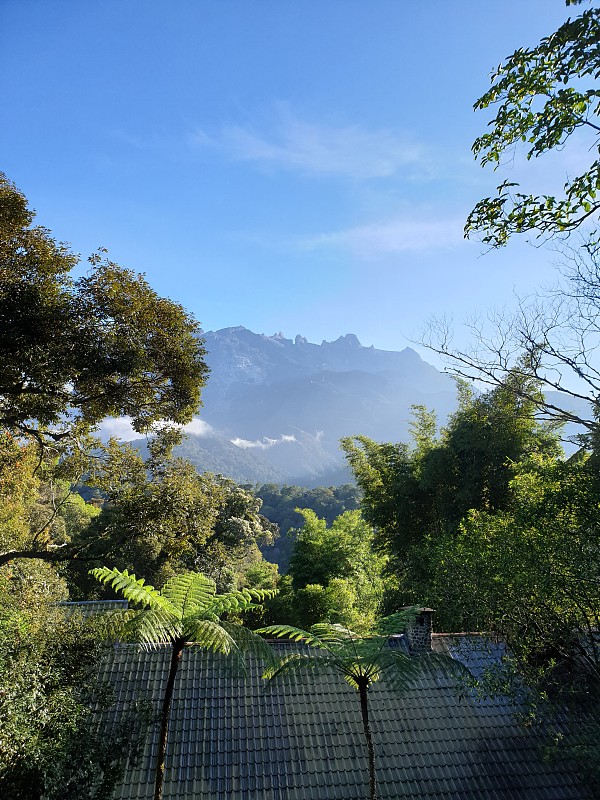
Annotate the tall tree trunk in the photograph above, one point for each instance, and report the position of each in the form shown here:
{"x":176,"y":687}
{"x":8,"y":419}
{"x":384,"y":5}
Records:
{"x":178,"y":646}
{"x":362,"y":691}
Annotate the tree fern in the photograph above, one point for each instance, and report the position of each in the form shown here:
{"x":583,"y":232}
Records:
{"x":186,"y":612}
{"x":359,"y":660}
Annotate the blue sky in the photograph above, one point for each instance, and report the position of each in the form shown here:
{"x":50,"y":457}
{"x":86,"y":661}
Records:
{"x":302,"y":167}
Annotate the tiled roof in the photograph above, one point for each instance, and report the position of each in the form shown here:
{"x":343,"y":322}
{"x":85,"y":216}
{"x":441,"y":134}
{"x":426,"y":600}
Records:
{"x":234,"y":738}
{"x":88,"y":608}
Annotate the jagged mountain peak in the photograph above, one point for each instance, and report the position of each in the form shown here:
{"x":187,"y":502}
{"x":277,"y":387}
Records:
{"x":286,"y":402}
{"x":348,"y":340}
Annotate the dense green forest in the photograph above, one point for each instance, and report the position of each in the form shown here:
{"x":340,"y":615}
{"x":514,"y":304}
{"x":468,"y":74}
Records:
{"x":484,"y":519}
{"x":280,"y":504}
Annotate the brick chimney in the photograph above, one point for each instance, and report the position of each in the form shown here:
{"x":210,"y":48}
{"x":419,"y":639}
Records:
{"x":418,"y":631}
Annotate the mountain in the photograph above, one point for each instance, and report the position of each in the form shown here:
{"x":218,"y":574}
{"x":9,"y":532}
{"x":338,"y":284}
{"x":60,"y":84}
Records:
{"x":274,"y":409}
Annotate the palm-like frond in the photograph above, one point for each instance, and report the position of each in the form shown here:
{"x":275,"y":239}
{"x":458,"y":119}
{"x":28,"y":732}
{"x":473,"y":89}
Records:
{"x":187,"y":612}
{"x":295,"y":664}
{"x":236,"y":602}
{"x":390,"y":625}
{"x":153,"y":627}
{"x":334,"y":633}
{"x":209,"y":635}
{"x":295,"y":634}
{"x":134,"y":589}
{"x":359,"y":659}
{"x":189,"y":591}
{"x":246,"y":641}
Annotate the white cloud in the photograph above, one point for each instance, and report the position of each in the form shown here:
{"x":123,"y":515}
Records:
{"x":118,"y":428}
{"x":391,"y":237}
{"x":317,"y":149}
{"x":198,"y":427}
{"x":263,"y":444}
{"x":122,"y":429}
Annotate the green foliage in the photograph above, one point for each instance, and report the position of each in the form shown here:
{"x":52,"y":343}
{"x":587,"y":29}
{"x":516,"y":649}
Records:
{"x":61,"y":737}
{"x":39,"y":515}
{"x":77,"y":350}
{"x":186,"y":612}
{"x":334,"y":574}
{"x":161,"y":518}
{"x":280,"y":504}
{"x":543,"y":96}
{"x":186,"y":609}
{"x":413,"y":494}
{"x":531,"y":572}
{"x":340,"y":559}
{"x":359,"y":660}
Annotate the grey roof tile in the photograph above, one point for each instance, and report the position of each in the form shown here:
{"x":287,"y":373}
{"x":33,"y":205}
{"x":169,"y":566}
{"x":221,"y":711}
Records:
{"x":236,"y":739}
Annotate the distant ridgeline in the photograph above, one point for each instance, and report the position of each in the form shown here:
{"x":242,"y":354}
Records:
{"x":274,"y":409}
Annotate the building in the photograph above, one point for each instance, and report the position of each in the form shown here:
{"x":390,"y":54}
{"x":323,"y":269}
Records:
{"x":233,"y":737}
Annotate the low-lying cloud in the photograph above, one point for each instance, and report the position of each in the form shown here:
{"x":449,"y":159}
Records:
{"x":122,"y":429}
{"x":263,"y":444}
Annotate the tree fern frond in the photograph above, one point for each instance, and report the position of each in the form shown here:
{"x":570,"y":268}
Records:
{"x":242,"y":600}
{"x":133,"y":589}
{"x":351,"y":680}
{"x":209,"y":635}
{"x":295,"y":634}
{"x":333,"y":632}
{"x":189,"y":591}
{"x":249,"y":642}
{"x":296,"y":663}
{"x":113,"y":625}
{"x":397,"y":622}
{"x":154,"y":627}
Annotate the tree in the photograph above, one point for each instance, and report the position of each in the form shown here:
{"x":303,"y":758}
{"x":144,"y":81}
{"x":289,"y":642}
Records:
{"x":75,"y":350}
{"x":337,"y":565}
{"x":161,"y":518}
{"x":530,"y":575}
{"x":544,"y":95}
{"x":530,"y":572}
{"x":187,"y":612}
{"x":280,"y":504}
{"x":61,"y":735}
{"x":549,"y":342}
{"x":413,"y":493}
{"x":40,"y":515}
{"x":359,"y":660}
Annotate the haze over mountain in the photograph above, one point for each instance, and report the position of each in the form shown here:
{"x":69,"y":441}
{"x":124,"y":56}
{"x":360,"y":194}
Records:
{"x":274,"y":408}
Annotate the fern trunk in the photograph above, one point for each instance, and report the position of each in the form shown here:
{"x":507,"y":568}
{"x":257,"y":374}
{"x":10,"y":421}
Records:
{"x":364,"y":707}
{"x":178,"y":646}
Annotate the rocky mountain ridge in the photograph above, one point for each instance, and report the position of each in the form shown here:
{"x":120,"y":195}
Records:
{"x":282,"y":404}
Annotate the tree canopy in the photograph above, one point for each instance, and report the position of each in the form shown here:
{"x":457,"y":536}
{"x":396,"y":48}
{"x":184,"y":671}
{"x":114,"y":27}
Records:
{"x":161,"y":517}
{"x":543,"y":96}
{"x":410,"y":493}
{"x":77,"y":349}
{"x":334,"y":574}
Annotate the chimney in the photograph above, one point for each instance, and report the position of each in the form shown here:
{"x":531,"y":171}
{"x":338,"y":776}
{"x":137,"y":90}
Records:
{"x":418,"y":630}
